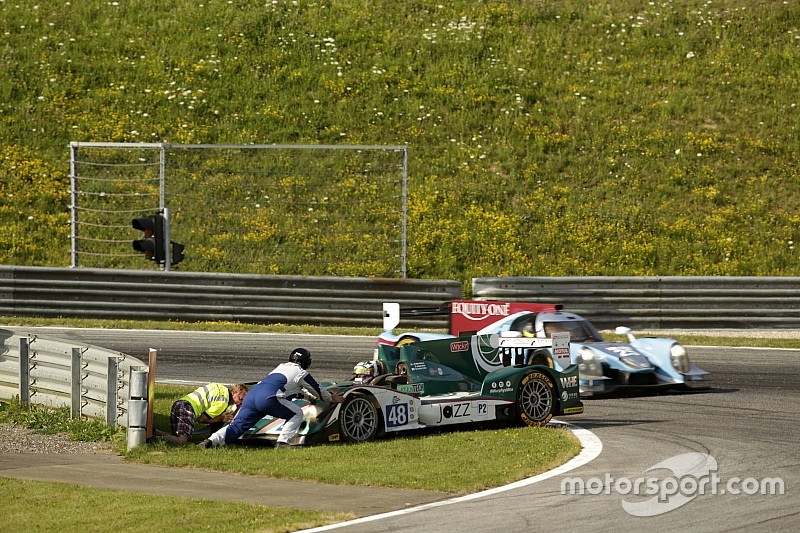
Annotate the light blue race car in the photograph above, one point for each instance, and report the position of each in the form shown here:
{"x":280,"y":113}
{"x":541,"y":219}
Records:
{"x":607,"y":366}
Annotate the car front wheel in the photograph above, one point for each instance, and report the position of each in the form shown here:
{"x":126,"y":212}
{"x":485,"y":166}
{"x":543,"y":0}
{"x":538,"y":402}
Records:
{"x":359,"y":420}
{"x":535,"y":401}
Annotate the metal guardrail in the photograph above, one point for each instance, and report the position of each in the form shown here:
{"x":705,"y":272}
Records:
{"x":196,"y":297}
{"x":91,"y":381}
{"x":642,"y":302}
{"x":659,"y":302}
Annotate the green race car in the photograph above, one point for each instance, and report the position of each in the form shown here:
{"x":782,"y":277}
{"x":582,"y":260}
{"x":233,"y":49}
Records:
{"x":440,"y":382}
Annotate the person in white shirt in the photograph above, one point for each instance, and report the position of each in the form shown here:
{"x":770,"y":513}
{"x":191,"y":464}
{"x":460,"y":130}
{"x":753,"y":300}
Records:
{"x":273,"y":396}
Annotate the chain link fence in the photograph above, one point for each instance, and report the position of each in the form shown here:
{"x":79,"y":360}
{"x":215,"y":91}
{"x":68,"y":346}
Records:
{"x":255,"y":209}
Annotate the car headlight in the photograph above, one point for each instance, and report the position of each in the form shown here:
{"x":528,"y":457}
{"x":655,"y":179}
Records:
{"x":680,"y":359}
{"x":588,"y":365}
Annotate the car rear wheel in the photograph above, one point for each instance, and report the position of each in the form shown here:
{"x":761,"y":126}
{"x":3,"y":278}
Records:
{"x":535,"y":401}
{"x":539,"y":357}
{"x":359,"y":419}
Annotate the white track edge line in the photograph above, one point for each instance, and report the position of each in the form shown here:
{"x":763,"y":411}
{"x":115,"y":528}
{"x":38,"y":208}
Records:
{"x":591,"y":446}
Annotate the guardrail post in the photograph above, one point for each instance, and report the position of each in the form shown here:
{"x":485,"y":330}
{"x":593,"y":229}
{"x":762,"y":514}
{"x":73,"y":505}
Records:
{"x":75,"y":385}
{"x":111,"y":391}
{"x":24,"y":371}
{"x":137,"y":409}
{"x":151,"y":389}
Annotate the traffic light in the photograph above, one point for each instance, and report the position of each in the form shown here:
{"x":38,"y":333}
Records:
{"x":156,"y":234}
{"x":152,"y":245}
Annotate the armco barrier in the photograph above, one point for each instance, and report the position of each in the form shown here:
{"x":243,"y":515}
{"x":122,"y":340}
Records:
{"x":93,"y":382}
{"x":659,"y":302}
{"x":642,"y":302}
{"x":193,"y":296}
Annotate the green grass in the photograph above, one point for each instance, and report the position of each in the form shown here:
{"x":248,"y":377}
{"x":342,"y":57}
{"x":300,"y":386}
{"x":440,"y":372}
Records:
{"x":238,"y":327}
{"x":569,"y":138}
{"x":485,"y":458}
{"x":45,"y":420}
{"x":80,"y":508}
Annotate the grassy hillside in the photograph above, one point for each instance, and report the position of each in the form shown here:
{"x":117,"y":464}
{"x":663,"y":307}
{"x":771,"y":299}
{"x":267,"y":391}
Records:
{"x":546,"y":138}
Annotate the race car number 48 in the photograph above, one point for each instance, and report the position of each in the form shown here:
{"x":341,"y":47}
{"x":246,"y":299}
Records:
{"x":397,"y":414}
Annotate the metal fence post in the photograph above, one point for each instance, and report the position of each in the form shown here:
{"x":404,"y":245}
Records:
{"x":151,"y":390}
{"x":111,"y":391}
{"x":137,"y":408}
{"x":73,"y":208}
{"x":24,"y":371}
{"x":75,"y":385}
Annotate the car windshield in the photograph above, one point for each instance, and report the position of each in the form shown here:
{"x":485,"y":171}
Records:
{"x":579,"y":330}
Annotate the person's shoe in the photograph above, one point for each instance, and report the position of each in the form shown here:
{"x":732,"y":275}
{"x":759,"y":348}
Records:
{"x":205,"y":444}
{"x":282,"y":446}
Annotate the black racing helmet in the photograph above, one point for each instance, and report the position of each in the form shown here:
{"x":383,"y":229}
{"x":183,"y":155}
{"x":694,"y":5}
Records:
{"x":301,"y":356}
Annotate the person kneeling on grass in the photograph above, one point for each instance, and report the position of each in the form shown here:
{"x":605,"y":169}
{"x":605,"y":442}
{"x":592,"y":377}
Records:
{"x":212,"y":404}
{"x":273,"y":396}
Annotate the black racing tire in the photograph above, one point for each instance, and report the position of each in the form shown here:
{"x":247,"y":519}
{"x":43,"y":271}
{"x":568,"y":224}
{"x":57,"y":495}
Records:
{"x":359,"y":419}
{"x":535,"y":399}
{"x":539,"y":357}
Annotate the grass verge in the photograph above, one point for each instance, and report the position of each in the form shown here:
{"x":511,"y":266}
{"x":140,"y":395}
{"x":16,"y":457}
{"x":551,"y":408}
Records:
{"x":165,"y":325}
{"x":48,"y":421}
{"x":79,"y":508}
{"x":457,"y":462}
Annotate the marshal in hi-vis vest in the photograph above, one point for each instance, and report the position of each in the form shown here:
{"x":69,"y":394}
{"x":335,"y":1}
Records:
{"x":212,"y":399}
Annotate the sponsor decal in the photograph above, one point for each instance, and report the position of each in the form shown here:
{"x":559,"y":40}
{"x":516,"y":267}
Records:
{"x":460,"y":346}
{"x":571,"y":381}
{"x":485,"y":352}
{"x":418,"y":365}
{"x":539,"y":375}
{"x":561,"y":349}
{"x":460,"y":410}
{"x":500,"y":387}
{"x":334,"y":438}
{"x":535,"y":423}
{"x":573,"y":410}
{"x":566,"y":396}
{"x":413,"y":388}
{"x":524,"y":342}
{"x":480,"y":310}
{"x":622,"y":351}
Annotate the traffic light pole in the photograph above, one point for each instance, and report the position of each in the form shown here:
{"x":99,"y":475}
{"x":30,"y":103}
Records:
{"x":167,"y":251}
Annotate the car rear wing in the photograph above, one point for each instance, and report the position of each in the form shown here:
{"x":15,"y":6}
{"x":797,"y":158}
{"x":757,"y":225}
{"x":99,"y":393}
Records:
{"x":466,"y":316}
{"x":517,"y":346}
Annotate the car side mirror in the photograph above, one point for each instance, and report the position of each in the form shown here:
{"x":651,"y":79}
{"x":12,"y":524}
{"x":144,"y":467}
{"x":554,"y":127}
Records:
{"x":624,"y":330}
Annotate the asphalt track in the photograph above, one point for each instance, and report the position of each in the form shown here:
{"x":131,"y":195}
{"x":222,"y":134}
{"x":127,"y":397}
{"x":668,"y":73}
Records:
{"x":746,"y":423}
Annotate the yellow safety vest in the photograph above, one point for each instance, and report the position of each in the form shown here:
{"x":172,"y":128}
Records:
{"x":211,"y":399}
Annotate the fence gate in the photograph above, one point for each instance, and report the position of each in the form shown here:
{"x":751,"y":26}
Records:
{"x":260,"y":209}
